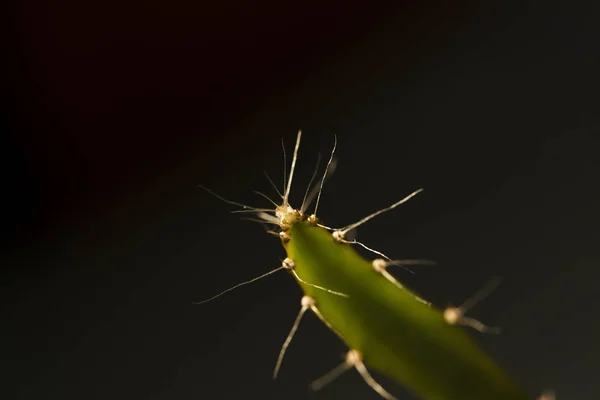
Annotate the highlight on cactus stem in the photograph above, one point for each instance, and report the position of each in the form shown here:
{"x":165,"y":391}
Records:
{"x":387,"y":327}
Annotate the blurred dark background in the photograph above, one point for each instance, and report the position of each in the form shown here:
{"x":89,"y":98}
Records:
{"x":116,"y":111}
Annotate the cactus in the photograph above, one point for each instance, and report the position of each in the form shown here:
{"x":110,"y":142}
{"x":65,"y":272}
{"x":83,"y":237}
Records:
{"x":387,"y":327}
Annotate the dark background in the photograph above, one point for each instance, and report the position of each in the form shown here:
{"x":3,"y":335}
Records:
{"x":115,"y":111}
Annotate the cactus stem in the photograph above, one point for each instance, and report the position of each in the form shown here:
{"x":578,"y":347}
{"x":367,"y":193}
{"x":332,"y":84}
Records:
{"x":289,"y":264}
{"x":409,"y":341}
